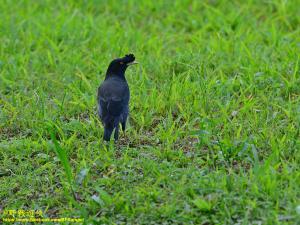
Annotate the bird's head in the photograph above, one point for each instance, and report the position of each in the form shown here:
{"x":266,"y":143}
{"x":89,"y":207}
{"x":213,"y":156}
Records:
{"x":118,"y":66}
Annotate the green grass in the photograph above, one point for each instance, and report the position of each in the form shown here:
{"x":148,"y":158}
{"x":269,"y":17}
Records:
{"x":213,"y":135}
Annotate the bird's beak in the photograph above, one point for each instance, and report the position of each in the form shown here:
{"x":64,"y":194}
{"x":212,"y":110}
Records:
{"x":132,"y":63}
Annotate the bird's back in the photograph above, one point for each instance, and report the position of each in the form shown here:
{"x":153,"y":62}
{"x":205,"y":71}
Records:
{"x":113,"y":98}
{"x":113,"y":88}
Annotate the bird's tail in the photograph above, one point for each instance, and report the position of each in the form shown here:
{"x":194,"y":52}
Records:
{"x":114,"y":109}
{"x":110,"y":127}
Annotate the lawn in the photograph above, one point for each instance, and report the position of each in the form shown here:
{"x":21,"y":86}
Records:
{"x":213,"y":134}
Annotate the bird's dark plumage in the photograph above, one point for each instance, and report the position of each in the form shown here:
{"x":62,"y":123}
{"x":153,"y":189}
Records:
{"x":113,"y":97}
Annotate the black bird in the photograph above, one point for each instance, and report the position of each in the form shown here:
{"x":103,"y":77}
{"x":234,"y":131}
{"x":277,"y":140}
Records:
{"x":113,"y":97}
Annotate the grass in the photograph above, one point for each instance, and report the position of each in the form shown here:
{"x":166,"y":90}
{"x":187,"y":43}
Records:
{"x":215,"y":111}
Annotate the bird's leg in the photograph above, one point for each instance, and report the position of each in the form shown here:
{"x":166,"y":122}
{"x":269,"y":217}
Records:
{"x":124,"y":127}
{"x":107,"y":132}
{"x":116,"y":135}
{"x":124,"y":119}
